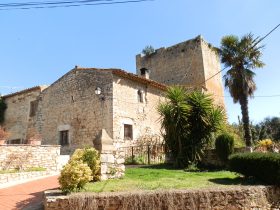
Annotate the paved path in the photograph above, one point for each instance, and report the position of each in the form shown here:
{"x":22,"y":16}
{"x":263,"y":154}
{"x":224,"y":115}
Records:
{"x":27,"y":196}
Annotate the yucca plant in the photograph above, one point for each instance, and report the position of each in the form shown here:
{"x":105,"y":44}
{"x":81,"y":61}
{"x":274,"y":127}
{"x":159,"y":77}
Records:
{"x":188,"y":121}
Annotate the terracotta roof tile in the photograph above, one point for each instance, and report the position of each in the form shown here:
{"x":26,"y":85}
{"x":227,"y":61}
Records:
{"x":26,"y":91}
{"x":130,"y":76}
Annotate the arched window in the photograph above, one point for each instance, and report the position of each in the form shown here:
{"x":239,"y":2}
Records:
{"x":140,"y":96}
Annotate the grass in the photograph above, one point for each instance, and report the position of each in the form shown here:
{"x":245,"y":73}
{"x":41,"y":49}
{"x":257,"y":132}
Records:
{"x":19,"y":171}
{"x":156,"y":178}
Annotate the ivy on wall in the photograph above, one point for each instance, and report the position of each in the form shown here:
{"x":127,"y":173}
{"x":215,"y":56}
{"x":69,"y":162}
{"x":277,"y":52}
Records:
{"x":3,"y":107}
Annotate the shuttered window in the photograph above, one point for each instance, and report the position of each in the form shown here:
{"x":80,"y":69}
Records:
{"x":128,"y":134}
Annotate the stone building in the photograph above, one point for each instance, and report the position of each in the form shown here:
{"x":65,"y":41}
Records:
{"x":190,"y":63}
{"x":87,"y":105}
{"x":75,"y":109}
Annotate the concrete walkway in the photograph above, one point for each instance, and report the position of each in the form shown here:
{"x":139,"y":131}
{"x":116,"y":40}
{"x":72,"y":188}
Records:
{"x":27,"y":196}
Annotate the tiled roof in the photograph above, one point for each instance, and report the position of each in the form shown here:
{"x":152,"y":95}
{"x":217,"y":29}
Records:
{"x":26,"y":91}
{"x":131,"y":76}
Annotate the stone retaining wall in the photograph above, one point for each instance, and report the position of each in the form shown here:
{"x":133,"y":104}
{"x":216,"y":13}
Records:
{"x":14,"y":177}
{"x":253,"y":197}
{"x":27,"y":156}
{"x":211,"y":158}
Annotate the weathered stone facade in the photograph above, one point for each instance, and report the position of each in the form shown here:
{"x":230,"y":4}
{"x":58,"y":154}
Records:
{"x":189,"y":64}
{"x":143,"y":116}
{"x":70,"y":104}
{"x":237,"y":198}
{"x":17,"y":114}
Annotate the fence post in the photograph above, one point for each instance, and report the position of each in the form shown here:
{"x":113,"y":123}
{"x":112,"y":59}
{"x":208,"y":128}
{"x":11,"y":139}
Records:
{"x":132,"y":155}
{"x":149,"y":155}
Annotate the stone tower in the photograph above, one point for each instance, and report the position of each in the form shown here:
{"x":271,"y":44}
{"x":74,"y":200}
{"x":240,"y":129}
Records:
{"x":189,"y":63}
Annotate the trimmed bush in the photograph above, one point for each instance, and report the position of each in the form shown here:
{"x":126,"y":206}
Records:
{"x":263,"y":166}
{"x":224,"y":146}
{"x":91,"y":157}
{"x":74,"y":176}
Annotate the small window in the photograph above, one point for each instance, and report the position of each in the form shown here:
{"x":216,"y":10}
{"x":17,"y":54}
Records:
{"x":128,"y":135}
{"x":64,"y":138}
{"x":14,"y":141}
{"x":140,"y":96}
{"x":143,"y":71}
{"x":33,"y":108}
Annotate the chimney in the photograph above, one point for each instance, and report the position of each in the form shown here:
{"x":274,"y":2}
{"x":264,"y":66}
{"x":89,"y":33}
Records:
{"x":145,"y":73}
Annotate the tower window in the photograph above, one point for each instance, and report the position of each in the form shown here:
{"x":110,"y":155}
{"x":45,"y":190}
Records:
{"x":140,"y":96}
{"x":143,"y":71}
{"x":128,"y":132}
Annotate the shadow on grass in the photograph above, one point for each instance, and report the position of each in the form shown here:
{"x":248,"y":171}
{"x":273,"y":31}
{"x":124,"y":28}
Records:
{"x":236,"y":181}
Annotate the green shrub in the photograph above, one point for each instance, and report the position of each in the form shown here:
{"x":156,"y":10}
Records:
{"x":263,"y":166}
{"x":91,"y":157}
{"x":224,"y":146}
{"x":74,"y":176}
{"x":138,"y":160}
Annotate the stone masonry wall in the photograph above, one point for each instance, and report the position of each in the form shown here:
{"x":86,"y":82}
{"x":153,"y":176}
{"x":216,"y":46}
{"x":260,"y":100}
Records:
{"x":7,"y":179}
{"x":178,"y":64}
{"x":189,"y":63}
{"x":212,"y":66}
{"x":112,"y":164}
{"x":27,"y":156}
{"x":237,"y":198}
{"x":71,"y":104}
{"x":128,"y":110}
{"x":17,"y":114}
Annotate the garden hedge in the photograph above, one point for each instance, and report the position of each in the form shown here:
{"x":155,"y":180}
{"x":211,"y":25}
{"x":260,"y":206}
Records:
{"x":224,"y":146}
{"x":263,"y":166}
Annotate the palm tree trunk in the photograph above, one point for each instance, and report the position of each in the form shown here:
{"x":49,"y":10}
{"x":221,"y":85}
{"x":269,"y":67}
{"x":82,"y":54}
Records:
{"x":245,"y":120}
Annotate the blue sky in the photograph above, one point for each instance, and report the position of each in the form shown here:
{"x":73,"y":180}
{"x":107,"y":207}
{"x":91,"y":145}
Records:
{"x":38,"y":46}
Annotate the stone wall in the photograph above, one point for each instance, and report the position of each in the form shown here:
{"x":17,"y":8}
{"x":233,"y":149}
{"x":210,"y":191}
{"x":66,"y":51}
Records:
{"x":27,"y":156}
{"x":71,"y":104}
{"x":211,"y":158}
{"x":212,"y":66}
{"x":127,"y":109}
{"x":112,"y":164}
{"x":15,"y":177}
{"x":17,"y":114}
{"x":249,"y":197}
{"x":178,"y":64}
{"x":188,"y":63}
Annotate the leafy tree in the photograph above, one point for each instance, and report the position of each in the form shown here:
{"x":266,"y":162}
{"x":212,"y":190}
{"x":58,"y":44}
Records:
{"x":148,"y":50}
{"x":188,"y":120}
{"x":271,"y":127}
{"x":241,"y":56}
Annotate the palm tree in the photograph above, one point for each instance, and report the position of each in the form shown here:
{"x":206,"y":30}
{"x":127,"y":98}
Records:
{"x":241,"y":56}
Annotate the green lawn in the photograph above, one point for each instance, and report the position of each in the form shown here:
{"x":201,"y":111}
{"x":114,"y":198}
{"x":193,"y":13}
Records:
{"x":153,"y":178}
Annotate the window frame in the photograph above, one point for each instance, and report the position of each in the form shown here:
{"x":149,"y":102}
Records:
{"x":62,"y":140}
{"x":128,"y":132}
{"x":140,"y":96}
